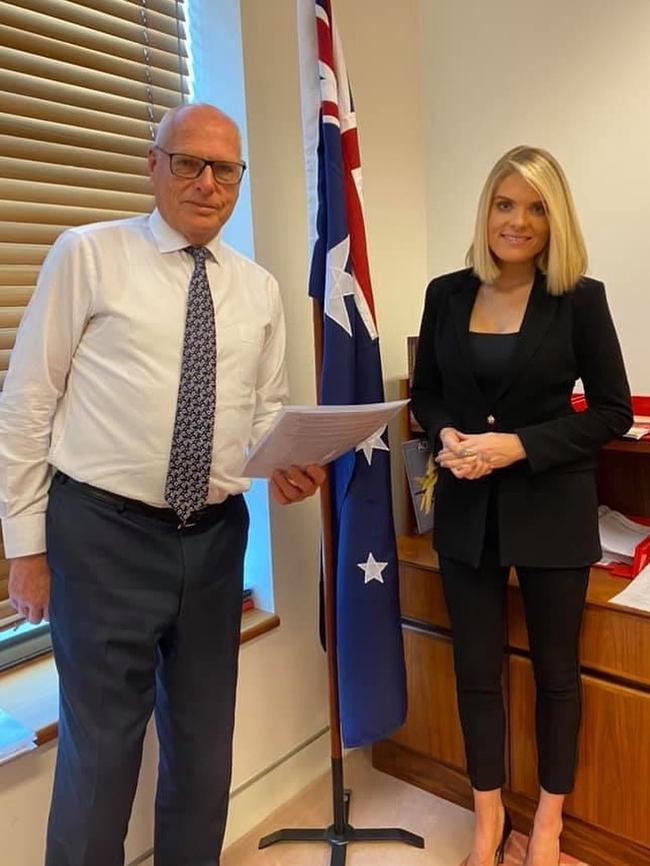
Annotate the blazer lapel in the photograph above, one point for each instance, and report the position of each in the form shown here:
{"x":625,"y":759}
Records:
{"x":537,"y":318}
{"x":461,"y":303}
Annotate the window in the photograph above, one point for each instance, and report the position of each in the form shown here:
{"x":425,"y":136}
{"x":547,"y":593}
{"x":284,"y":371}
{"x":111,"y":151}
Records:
{"x":217,"y":64}
{"x":83,"y":82}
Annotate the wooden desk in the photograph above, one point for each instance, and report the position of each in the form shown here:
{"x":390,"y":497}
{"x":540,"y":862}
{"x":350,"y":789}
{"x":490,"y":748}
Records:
{"x":607,"y":817}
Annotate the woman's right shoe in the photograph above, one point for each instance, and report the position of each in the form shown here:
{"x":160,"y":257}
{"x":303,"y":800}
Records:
{"x":500,"y":853}
{"x":559,"y":856}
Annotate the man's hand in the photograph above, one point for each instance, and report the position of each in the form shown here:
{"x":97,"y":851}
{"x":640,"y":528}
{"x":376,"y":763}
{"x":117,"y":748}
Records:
{"x":295,"y":484}
{"x":29,"y":586}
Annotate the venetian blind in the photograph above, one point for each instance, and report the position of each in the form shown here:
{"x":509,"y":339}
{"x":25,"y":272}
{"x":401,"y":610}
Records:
{"x":82,"y":85}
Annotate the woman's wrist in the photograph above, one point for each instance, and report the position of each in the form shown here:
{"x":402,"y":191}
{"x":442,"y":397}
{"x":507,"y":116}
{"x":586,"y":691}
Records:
{"x":517,"y":447}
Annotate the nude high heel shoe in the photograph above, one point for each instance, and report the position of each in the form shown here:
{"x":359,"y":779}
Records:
{"x":500,"y":853}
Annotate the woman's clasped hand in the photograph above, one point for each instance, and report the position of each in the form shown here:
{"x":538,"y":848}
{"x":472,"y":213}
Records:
{"x":471,"y":456}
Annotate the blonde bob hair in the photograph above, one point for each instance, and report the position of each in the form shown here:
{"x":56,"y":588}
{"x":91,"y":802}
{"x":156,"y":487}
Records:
{"x":564,"y":259}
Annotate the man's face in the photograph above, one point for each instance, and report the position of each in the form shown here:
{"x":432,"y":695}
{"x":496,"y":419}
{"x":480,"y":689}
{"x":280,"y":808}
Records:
{"x":196,"y":208}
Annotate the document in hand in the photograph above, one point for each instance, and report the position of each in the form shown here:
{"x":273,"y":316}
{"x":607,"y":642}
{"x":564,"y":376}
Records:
{"x":301,"y":435}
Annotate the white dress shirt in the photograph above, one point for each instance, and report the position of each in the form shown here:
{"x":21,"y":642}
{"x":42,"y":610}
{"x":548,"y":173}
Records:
{"x":93,"y":380}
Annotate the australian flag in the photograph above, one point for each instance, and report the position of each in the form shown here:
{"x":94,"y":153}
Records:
{"x":372,"y":690}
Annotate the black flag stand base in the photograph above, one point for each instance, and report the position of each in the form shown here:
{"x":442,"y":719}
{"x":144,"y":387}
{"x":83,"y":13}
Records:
{"x":340,"y":834}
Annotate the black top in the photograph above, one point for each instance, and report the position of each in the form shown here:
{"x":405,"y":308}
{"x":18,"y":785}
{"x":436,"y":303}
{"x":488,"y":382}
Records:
{"x":547,"y":503}
{"x":491,"y":357}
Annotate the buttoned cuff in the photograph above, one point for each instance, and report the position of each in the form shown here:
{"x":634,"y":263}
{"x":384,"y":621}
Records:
{"x":24,"y":535}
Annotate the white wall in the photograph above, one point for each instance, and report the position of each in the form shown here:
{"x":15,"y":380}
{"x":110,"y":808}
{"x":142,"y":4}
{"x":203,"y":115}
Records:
{"x":571,"y":77}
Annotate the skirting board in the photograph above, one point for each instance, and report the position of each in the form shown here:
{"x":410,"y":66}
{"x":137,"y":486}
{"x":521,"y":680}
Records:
{"x":256,"y":798}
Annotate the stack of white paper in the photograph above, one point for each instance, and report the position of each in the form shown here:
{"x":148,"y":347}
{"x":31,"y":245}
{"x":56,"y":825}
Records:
{"x":640,"y":428}
{"x":619,"y":535}
{"x":637,"y":593}
{"x":15,"y":738}
{"x":301,"y":435}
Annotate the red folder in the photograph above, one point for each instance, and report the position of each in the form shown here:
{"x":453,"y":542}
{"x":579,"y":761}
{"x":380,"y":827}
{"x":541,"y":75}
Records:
{"x":640,"y":405}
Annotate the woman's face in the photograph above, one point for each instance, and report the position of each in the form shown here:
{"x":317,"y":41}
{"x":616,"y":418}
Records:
{"x":518,"y":228}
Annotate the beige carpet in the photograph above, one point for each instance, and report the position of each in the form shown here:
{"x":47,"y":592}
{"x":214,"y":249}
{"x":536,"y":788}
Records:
{"x":378,"y":800}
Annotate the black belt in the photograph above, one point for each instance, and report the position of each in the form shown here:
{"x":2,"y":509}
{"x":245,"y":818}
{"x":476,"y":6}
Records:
{"x":123,"y":503}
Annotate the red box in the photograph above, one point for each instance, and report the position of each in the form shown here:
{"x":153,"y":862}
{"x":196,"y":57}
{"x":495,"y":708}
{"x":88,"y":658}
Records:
{"x":641,"y":555}
{"x":640,"y":406}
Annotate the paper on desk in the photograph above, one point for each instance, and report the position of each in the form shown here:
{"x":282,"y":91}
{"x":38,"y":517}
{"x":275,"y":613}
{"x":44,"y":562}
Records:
{"x":640,"y":428}
{"x":637,"y":593}
{"x":301,"y":435}
{"x":619,"y":536}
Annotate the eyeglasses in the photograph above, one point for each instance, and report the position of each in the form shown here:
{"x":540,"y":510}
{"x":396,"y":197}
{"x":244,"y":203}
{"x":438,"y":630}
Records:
{"x":191,"y":167}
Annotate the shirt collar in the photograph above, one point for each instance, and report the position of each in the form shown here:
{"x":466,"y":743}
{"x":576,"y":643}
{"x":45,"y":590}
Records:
{"x":168,"y":240}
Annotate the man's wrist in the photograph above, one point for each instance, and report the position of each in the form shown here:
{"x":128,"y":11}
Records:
{"x":28,"y":557}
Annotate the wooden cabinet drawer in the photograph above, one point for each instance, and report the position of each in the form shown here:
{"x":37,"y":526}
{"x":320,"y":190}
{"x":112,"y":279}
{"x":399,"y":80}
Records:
{"x":432,"y":725}
{"x":612,"y":789}
{"x":421,"y":595}
{"x":613,"y":641}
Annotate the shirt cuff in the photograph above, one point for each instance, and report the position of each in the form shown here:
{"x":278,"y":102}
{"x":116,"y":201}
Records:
{"x":24,"y":535}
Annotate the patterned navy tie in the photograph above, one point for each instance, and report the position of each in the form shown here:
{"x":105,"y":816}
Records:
{"x":188,"y":476}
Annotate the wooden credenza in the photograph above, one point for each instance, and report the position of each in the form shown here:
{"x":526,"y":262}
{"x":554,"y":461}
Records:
{"x":607,"y":817}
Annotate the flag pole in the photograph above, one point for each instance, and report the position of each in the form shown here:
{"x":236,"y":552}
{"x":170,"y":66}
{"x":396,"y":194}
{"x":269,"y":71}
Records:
{"x":340,"y":833}
{"x":340,"y":798}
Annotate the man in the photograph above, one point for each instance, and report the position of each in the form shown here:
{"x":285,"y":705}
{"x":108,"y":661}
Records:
{"x":149,"y":358}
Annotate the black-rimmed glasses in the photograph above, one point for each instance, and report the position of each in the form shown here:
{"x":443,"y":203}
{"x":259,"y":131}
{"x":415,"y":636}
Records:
{"x":190,"y":167}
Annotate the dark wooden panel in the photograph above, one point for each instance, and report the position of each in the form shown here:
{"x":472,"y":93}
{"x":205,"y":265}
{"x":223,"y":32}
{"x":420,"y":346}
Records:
{"x":432,"y":724}
{"x":624,"y":478}
{"x":421,"y":595}
{"x":394,"y":758}
{"x":614,"y":641}
{"x":612,"y":782}
{"x":417,"y":550}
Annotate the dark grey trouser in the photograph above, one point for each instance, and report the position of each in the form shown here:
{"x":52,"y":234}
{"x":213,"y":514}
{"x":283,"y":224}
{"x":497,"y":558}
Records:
{"x":144,"y":617}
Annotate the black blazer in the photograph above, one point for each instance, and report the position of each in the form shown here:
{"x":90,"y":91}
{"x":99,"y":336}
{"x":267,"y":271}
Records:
{"x":547,"y":503}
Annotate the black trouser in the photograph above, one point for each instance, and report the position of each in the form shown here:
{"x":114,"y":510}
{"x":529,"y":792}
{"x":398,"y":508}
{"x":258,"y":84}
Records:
{"x":144,"y":616}
{"x":553,"y":602}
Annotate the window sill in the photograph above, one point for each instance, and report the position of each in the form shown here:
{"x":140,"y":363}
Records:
{"x":29,"y":692}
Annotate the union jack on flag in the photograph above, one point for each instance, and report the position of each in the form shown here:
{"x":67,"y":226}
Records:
{"x":372,"y":691}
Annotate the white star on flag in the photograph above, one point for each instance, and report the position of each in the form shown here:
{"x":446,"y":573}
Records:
{"x":339,"y":284}
{"x":372,"y":569}
{"x":373,"y":442}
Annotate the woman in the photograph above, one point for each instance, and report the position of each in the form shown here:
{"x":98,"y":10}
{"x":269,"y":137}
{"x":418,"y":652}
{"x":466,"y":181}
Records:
{"x":501,"y":346}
